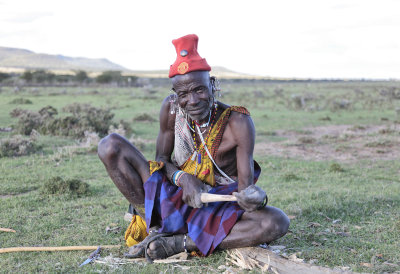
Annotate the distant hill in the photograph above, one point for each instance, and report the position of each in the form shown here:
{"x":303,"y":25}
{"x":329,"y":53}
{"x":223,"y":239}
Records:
{"x":25,"y":59}
{"x":217,"y":71}
{"x":16,"y":60}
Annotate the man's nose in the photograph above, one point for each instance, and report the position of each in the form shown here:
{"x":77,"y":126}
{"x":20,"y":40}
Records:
{"x":193,"y":98}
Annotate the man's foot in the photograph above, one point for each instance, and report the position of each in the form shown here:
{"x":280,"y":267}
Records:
{"x":164,"y":247}
{"x":138,"y":251}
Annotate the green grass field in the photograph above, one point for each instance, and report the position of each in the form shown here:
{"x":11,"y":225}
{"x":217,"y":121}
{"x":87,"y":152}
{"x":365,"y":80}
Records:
{"x":329,"y":154}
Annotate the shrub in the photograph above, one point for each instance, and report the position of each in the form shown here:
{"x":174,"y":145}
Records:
{"x":21,"y":101}
{"x":91,"y":118}
{"x":17,"y":146}
{"x":84,"y":118}
{"x":4,"y":76}
{"x":71,"y":187}
{"x":28,"y":120}
{"x":81,"y":76}
{"x":144,"y":118}
{"x":335,"y":167}
{"x":17,"y":112}
{"x":341,"y":104}
{"x":306,"y":140}
{"x":109,"y":76}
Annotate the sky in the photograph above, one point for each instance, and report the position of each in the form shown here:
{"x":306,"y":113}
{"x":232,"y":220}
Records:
{"x":285,"y":38}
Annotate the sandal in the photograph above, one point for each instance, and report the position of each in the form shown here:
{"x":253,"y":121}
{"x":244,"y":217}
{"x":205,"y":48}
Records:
{"x":166,"y":247}
{"x":142,"y":246}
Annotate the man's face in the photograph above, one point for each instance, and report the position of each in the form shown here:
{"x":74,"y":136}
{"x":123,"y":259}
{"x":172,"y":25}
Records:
{"x":194,"y":93}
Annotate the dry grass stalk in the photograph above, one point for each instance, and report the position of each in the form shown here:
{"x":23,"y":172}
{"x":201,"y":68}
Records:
{"x":53,"y":248}
{"x":244,"y":261}
{"x":7,"y":230}
{"x":266,"y":260}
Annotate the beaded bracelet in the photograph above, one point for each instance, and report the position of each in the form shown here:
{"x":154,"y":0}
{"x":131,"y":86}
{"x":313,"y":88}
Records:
{"x":178,"y":177}
{"x":175,"y":177}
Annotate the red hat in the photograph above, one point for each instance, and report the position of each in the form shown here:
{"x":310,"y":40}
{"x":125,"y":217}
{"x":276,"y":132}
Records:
{"x":188,"y":59}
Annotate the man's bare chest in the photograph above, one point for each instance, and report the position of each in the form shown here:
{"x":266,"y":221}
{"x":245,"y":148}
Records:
{"x":225,"y":156}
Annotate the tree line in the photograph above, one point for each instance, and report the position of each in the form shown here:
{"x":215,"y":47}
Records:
{"x":43,"y":77}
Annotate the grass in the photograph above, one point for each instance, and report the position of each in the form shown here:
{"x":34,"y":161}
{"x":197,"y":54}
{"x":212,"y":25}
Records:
{"x":343,"y":214}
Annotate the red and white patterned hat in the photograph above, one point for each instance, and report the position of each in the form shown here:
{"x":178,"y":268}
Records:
{"x":188,"y":59}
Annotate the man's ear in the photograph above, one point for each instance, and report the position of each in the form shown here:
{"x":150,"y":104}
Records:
{"x":212,"y":82}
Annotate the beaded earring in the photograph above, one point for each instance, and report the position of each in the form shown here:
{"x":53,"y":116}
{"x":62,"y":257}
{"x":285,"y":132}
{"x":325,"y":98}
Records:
{"x":172,"y":102}
{"x":215,"y":85}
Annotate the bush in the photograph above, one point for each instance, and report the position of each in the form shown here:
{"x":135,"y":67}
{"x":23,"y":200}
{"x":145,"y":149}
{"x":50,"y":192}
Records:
{"x":335,"y":167}
{"x":27,"y":76}
{"x":71,"y":187}
{"x":21,"y":101}
{"x":17,"y":112}
{"x":84,"y":118}
{"x":28,"y":120}
{"x":17,"y":146}
{"x":4,"y":76}
{"x":144,"y":118}
{"x":109,"y":76}
{"x":81,"y":76}
{"x":91,"y":118}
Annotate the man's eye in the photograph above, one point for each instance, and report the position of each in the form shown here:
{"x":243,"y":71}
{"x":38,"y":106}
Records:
{"x":182,"y":95}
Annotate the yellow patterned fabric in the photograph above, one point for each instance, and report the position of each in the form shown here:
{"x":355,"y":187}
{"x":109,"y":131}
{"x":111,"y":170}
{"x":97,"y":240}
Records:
{"x":136,"y":232}
{"x":154,"y":166}
{"x":205,"y":169}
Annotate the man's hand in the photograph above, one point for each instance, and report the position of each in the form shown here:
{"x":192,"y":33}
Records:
{"x":250,"y":198}
{"x":192,"y":188}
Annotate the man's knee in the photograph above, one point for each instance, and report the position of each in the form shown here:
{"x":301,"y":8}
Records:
{"x":109,"y":147}
{"x":276,"y":224}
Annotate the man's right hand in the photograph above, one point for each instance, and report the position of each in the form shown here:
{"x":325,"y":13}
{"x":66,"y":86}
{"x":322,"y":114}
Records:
{"x":192,"y":189}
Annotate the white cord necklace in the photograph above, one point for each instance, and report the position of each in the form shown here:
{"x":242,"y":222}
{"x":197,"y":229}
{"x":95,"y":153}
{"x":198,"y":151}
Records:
{"x":206,"y":124}
{"x":203,"y":125}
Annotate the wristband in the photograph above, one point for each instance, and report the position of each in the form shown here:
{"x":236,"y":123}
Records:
{"x":175,"y":177}
{"x":178,"y":177}
{"x":264,"y":202}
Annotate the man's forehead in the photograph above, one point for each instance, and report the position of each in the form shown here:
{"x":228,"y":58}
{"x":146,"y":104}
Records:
{"x":195,"y":77}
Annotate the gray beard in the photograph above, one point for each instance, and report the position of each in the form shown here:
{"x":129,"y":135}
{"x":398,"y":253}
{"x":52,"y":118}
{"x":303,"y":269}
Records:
{"x":206,"y":113}
{"x":201,"y":118}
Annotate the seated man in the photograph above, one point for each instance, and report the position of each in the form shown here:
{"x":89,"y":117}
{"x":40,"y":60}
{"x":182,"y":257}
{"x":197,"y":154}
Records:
{"x":212,"y":146}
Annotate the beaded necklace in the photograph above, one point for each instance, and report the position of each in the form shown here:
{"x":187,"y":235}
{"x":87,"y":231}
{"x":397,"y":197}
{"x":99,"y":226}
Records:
{"x":198,"y":152}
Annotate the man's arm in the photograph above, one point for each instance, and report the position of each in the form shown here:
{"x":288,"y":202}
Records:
{"x":192,"y":187}
{"x":166,"y":138}
{"x":250,"y":196}
{"x":243,"y":133}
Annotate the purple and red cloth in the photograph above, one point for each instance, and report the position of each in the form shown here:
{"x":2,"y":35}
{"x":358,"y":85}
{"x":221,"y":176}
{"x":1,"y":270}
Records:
{"x":206,"y":226}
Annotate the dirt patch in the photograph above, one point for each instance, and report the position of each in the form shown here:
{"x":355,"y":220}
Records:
{"x":343,"y":143}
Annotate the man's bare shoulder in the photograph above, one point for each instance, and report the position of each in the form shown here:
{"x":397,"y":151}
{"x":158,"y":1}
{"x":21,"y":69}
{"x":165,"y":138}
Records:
{"x":241,"y":128}
{"x":167,"y":119}
{"x":240,"y":122}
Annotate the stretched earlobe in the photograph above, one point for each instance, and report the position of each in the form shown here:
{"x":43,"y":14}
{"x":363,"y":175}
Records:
{"x":173,"y":104}
{"x":215,"y":85}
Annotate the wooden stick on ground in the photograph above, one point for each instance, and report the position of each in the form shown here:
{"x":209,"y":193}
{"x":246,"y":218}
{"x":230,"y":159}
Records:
{"x":257,"y":257}
{"x":7,"y":230}
{"x":54,"y":248}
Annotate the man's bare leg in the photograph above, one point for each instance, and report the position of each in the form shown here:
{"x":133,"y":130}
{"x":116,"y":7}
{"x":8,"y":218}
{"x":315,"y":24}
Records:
{"x":127,"y":167}
{"x":253,"y":228}
{"x":257,"y":227}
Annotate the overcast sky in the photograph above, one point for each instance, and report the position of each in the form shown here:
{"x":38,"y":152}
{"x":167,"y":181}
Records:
{"x":285,"y":38}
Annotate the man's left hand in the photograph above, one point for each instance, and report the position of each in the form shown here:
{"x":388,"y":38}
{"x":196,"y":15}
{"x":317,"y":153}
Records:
{"x":250,"y":198}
